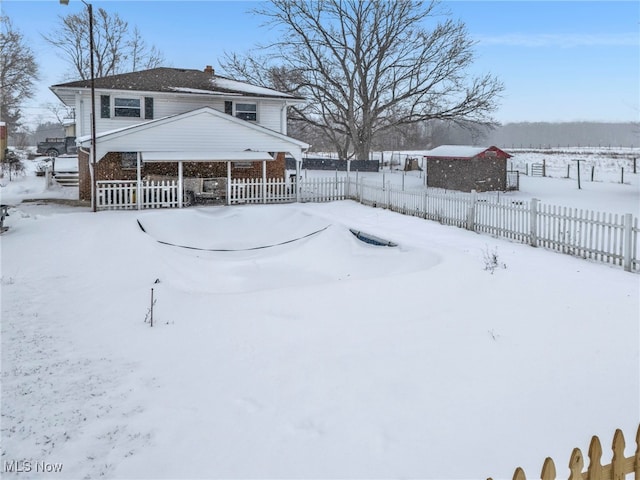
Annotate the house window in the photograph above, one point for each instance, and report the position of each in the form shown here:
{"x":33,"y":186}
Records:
{"x":127,"y":107}
{"x":242,"y":164}
{"x":247,"y":111}
{"x":228,"y":107}
{"x":129,"y":160}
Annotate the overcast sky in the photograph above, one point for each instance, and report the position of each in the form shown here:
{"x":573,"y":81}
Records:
{"x":559,"y":61}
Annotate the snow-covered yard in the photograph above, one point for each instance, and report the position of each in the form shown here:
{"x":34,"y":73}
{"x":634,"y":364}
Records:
{"x":323,"y":357}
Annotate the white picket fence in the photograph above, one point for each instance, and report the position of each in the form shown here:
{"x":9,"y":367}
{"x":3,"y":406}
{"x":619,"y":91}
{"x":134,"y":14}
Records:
{"x":599,"y":236}
{"x":323,"y":189}
{"x":278,"y":190}
{"x":123,"y":194}
{"x":251,"y":190}
{"x":603,"y":237}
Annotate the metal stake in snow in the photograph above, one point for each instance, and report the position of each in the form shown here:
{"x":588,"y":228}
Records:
{"x":578,"y":162}
{"x":151,"y":309}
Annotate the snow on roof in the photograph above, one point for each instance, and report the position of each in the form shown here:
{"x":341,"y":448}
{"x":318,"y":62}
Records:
{"x":455,"y":151}
{"x":106,"y":133}
{"x":229,"y":84}
{"x":205,"y":92}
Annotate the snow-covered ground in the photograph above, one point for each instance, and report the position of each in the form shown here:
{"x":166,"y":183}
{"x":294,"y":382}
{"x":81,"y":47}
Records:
{"x":611,"y":190}
{"x":320,"y":357}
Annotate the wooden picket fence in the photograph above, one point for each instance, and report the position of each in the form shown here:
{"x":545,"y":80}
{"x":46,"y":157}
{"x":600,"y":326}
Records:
{"x":123,"y":194}
{"x":618,"y":469}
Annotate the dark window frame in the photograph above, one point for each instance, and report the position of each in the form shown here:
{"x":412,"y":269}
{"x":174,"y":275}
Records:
{"x":244,"y":113}
{"x":125,"y":107}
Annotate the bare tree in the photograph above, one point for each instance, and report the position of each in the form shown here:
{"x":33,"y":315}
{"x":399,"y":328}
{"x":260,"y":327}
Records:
{"x":368,"y":67}
{"x":142,"y":56}
{"x":117,"y":48}
{"x":61,"y":112}
{"x":18,"y":73}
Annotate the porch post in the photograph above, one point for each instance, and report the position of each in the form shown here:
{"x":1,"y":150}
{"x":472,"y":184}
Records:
{"x":180,"y":187}
{"x":298,"y":179}
{"x":94,"y":185}
{"x":264,"y":181}
{"x":228,"y":182}
{"x":139,"y":180}
{"x":348,"y":186}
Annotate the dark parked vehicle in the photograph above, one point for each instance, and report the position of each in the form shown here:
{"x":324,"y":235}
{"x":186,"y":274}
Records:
{"x":57,"y":146}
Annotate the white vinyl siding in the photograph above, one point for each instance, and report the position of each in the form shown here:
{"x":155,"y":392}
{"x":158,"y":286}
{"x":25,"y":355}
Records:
{"x":269,"y":112}
{"x":201,"y":131}
{"x":270,"y":115}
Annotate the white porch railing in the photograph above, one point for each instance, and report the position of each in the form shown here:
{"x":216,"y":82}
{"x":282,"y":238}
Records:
{"x":252,"y":190}
{"x":123,"y":194}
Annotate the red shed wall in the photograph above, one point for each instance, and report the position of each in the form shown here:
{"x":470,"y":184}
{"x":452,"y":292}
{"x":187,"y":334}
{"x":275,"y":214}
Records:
{"x":480,"y":174}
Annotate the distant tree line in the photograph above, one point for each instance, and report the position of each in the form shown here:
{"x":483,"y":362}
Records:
{"x":574,"y":134}
{"x":431,"y":134}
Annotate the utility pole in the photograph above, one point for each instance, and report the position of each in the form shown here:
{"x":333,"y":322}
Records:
{"x":94,"y":191}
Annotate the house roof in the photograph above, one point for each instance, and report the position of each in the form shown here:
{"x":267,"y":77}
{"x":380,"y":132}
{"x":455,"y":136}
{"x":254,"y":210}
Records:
{"x":461,"y":151}
{"x":178,"y":80}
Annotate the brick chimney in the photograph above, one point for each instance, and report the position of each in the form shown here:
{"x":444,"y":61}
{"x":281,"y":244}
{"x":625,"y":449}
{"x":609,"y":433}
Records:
{"x":209,"y":69}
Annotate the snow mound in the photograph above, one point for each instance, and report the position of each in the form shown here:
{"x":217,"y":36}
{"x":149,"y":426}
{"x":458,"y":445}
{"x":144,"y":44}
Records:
{"x":233,"y":229}
{"x":227,"y":250}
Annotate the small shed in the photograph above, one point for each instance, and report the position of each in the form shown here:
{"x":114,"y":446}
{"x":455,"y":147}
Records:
{"x":466,"y":168}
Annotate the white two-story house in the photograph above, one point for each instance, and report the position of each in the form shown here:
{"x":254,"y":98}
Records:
{"x":178,"y":123}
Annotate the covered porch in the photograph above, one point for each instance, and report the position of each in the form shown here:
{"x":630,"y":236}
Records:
{"x":180,"y":190}
{"x":199,"y":156}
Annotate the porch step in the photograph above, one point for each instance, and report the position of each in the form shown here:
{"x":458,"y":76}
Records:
{"x":67,"y":179}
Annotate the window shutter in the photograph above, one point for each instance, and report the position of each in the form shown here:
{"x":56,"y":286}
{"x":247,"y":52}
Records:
{"x":148,"y":108}
{"x":228,"y":107}
{"x":105,"y":106}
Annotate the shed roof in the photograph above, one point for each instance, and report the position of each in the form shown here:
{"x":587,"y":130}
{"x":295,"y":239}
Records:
{"x":461,"y":151}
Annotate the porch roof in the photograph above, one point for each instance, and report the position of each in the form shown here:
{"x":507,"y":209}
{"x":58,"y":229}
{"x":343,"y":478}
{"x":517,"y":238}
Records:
{"x":182,"y":156}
